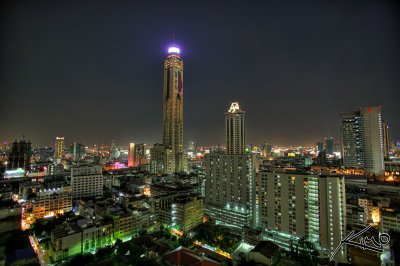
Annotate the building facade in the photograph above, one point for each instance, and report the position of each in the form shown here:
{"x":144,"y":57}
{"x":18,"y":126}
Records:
{"x":86,"y":181}
{"x":363,"y":140}
{"x":20,"y":155}
{"x":295,"y":205}
{"x":48,"y":202}
{"x":59,"y":150}
{"x":230,"y":189}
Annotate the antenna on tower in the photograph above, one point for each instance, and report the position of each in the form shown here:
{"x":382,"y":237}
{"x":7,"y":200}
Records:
{"x":173,"y":37}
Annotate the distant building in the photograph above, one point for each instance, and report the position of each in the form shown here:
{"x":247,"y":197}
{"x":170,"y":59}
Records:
{"x":161,"y":159}
{"x":20,"y":155}
{"x":131,"y":154}
{"x":77,"y":151}
{"x":320,"y":146}
{"x":329,"y":145}
{"x":266,"y":150}
{"x":58,"y":150}
{"x":86,"y":181}
{"x":386,"y":141}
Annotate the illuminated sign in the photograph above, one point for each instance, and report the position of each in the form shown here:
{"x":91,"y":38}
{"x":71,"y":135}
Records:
{"x":14,"y":173}
{"x":234,"y":107}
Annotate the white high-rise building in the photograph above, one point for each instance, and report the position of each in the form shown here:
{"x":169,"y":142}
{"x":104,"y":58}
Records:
{"x":230,"y":186}
{"x":373,"y":140}
{"x":86,"y":181}
{"x":295,"y":205}
{"x":231,"y":189}
{"x":362,"y":138}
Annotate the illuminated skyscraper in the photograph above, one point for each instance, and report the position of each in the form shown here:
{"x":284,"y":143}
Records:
{"x":131,"y":153}
{"x":173,"y":108}
{"x":234,"y":130}
{"x":59,"y":149}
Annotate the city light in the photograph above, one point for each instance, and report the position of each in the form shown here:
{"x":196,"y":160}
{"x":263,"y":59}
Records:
{"x":174,"y":49}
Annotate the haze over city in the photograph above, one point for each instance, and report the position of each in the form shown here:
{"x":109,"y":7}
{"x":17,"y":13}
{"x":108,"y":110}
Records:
{"x":92,"y":71}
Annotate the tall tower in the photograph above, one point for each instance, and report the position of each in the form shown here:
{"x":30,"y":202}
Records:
{"x":173,"y":107}
{"x":59,"y":149}
{"x":235,"y":130}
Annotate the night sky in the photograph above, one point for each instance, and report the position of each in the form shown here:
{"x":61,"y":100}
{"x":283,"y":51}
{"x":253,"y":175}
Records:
{"x":92,"y":71}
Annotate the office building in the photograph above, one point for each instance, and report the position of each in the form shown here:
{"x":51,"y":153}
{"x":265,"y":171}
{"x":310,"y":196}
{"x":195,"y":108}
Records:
{"x":86,"y":181}
{"x":329,"y":145}
{"x":173,"y":108}
{"x":58,"y":150}
{"x":47,"y":203}
{"x":161,"y":160}
{"x":266,"y":150}
{"x":184,"y":213}
{"x":20,"y":155}
{"x":299,"y":204}
{"x":230,"y":177}
{"x":386,"y":141}
{"x":77,"y":151}
{"x":362,"y":140}
{"x":235,"y":130}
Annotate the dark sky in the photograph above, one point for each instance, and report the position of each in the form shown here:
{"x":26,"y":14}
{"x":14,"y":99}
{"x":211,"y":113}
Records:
{"x":92,"y":70}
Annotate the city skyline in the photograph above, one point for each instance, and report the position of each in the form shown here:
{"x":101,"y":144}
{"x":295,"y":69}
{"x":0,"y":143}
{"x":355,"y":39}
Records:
{"x":293,"y":95}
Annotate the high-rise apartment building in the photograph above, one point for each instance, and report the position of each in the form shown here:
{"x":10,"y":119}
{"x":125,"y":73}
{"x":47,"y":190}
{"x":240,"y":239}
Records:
{"x":363,"y":140}
{"x":352,"y":139}
{"x":295,"y":205}
{"x":230,"y":187}
{"x":86,"y":181}
{"x":235,"y":130}
{"x":58,"y":150}
{"x":173,"y":108}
